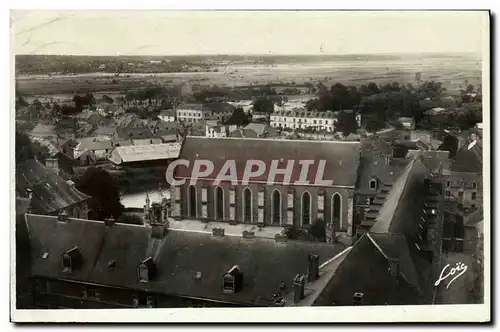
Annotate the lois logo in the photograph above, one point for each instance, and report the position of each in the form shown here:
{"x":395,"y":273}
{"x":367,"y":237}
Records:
{"x":459,"y":268}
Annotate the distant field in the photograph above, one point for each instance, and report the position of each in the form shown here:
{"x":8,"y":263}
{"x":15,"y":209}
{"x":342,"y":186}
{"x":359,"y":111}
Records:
{"x":450,"y":71}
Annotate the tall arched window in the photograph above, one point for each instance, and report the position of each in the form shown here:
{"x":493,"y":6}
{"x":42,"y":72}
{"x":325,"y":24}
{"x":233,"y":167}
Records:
{"x":306,"y":208}
{"x":247,"y":205}
{"x":192,"y":202}
{"x":276,"y":207}
{"x":219,"y":203}
{"x":337,"y":209}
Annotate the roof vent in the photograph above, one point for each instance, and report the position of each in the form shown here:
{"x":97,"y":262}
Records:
{"x":45,"y":255}
{"x":111,"y":264}
{"x":357,"y":298}
{"x":198,"y":275}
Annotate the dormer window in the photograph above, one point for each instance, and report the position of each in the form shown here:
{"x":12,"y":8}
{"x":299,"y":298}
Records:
{"x":146,"y":270}
{"x":71,"y":259}
{"x":232,"y":281}
{"x":373,"y":184}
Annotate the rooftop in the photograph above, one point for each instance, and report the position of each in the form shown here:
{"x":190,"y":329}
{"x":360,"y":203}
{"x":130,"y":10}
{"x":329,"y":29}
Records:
{"x":50,"y":192}
{"x":342,"y":158}
{"x":124,"y":154}
{"x":179,"y":257}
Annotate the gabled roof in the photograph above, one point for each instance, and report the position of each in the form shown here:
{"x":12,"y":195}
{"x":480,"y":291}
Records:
{"x":50,"y":192}
{"x":178,"y":257}
{"x":94,"y":143}
{"x":342,"y":158}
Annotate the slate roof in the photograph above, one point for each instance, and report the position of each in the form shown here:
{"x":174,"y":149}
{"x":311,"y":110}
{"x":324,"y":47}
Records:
{"x":406,"y":195}
{"x":373,"y":165}
{"x":134,"y":133}
{"x":342,"y":158}
{"x":178,"y":257}
{"x":124,"y":154}
{"x":393,"y":236}
{"x":50,"y":192}
{"x":434,"y":160}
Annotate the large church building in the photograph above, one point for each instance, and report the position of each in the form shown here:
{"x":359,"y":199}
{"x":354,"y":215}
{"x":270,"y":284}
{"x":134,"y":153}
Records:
{"x":324,"y":190}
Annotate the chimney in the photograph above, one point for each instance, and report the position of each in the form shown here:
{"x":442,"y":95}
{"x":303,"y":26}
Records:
{"x":157,"y":230}
{"x":52,"y":164}
{"x":62,"y":217}
{"x":298,"y":288}
{"x":313,"y":268}
{"x":357,"y":299}
{"x":109,"y":222}
{"x":218,"y":232}
{"x":29,"y":193}
{"x":248,"y":235}
{"x":393,"y":268}
{"x":280,"y":238}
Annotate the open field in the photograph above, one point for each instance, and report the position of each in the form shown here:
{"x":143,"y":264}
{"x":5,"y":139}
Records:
{"x":451,"y":71}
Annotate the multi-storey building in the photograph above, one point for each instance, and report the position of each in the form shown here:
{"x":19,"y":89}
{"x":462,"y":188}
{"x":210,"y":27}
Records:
{"x":302,"y":119}
{"x":192,"y":113}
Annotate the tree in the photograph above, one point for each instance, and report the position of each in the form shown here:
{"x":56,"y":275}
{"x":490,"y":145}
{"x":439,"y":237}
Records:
{"x":238,"y":118}
{"x":24,"y":151}
{"x":346,"y":123}
{"x":102,"y":187}
{"x":263,"y":105}
{"x":318,"y":229}
{"x":107,"y":99}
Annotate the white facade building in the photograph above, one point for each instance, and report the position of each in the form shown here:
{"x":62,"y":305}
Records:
{"x":301,"y":119}
{"x":167,"y":116}
{"x":192,"y":113}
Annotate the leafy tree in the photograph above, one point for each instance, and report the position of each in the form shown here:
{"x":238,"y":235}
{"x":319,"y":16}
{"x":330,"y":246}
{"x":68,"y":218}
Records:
{"x":318,"y":229}
{"x":102,"y":187}
{"x":238,"y":118}
{"x":346,"y":123}
{"x":24,"y":150}
{"x":107,"y":99}
{"x":263,"y":104}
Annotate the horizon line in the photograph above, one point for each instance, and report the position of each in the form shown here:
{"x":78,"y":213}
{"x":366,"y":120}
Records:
{"x":256,"y":54}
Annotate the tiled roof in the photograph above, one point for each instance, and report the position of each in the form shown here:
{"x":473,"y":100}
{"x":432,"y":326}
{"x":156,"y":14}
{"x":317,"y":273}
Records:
{"x":178,"y":257}
{"x":50,"y":192}
{"x":342,"y":158}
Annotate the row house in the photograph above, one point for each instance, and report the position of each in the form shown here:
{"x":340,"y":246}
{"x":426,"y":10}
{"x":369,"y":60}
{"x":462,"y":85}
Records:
{"x":192,"y":113}
{"x":302,"y":119}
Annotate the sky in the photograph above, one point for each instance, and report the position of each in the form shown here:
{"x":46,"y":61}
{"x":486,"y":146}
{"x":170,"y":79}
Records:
{"x":211,"y":32}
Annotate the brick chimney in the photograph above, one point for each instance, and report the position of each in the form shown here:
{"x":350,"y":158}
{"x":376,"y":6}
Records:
{"x":313,"y":268}
{"x":298,"y":288}
{"x":158,"y":230}
{"x":218,"y":232}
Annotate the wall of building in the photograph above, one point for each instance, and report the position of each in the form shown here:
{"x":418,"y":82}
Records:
{"x":296,"y":218}
{"x":60,"y":294}
{"x":462,"y":187}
